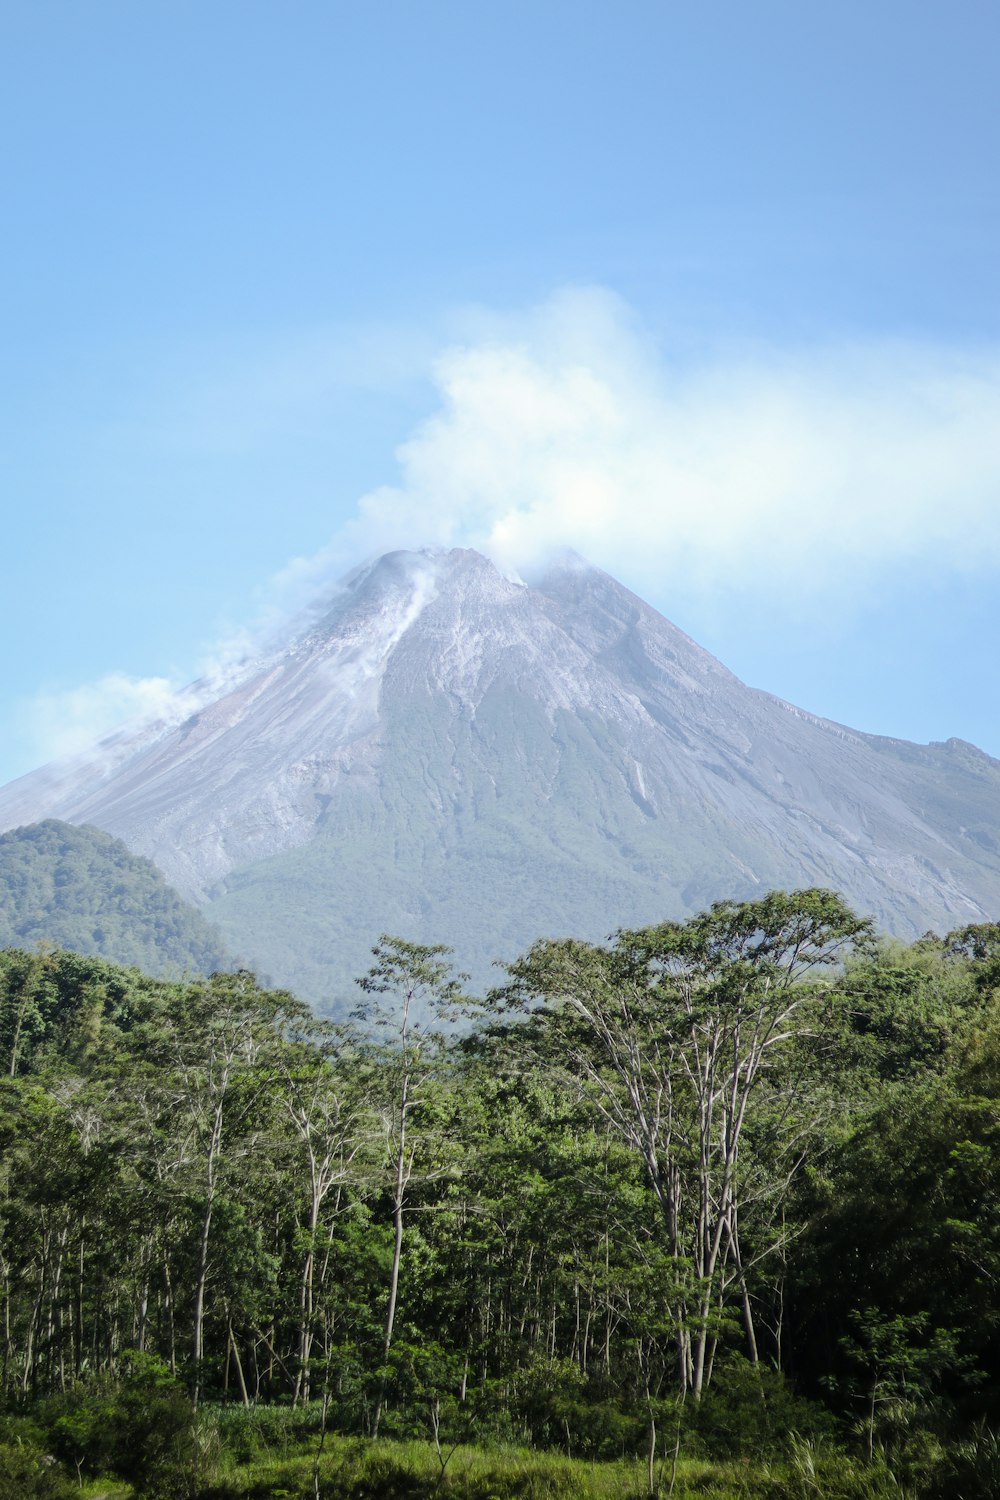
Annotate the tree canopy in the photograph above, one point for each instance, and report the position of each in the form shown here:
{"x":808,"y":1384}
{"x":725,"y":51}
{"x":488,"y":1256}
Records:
{"x":748,"y":1157}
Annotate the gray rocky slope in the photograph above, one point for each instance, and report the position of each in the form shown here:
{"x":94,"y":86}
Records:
{"x":457,"y":757}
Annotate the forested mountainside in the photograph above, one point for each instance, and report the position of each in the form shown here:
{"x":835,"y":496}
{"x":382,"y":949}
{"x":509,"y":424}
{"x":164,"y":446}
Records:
{"x":452,"y":754}
{"x":720,"y":1186}
{"x":79,"y":888}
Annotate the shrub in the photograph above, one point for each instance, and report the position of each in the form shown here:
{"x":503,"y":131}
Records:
{"x":139,"y":1426}
{"x":752,"y":1410}
{"x":26,"y":1474}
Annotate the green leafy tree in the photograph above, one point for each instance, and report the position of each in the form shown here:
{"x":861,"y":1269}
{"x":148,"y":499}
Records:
{"x":672,"y":1029}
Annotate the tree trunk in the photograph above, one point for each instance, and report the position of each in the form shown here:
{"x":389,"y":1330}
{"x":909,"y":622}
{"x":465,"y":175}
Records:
{"x":397,"y":1248}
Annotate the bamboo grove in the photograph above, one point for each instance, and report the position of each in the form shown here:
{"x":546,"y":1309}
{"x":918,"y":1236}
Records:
{"x":756,"y":1146}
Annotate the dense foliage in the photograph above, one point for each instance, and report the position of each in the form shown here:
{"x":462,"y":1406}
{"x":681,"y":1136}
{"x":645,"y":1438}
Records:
{"x":78,"y":888}
{"x":720,"y":1188}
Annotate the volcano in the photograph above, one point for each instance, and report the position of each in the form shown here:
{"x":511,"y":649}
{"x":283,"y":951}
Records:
{"x":455,"y":756}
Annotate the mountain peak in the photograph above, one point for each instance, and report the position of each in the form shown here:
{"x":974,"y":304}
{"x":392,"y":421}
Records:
{"x":381,"y":601}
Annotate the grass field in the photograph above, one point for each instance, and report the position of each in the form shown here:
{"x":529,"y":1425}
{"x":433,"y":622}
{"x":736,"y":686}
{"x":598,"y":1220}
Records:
{"x":356,"y":1469}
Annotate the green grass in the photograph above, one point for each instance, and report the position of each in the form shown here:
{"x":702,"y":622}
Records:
{"x":270,"y":1454}
{"x":356,"y":1469}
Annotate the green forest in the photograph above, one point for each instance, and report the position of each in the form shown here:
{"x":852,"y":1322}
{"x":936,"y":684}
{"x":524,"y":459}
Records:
{"x":79,"y":888}
{"x":712,"y":1208}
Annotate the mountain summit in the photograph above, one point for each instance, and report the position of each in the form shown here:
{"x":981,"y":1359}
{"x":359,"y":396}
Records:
{"x":458,"y":757}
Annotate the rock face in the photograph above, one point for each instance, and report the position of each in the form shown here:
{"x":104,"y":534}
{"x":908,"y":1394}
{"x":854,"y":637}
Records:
{"x":457,"y":757}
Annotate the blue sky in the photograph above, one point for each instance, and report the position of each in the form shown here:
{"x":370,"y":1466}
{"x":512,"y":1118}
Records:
{"x":708,"y":291}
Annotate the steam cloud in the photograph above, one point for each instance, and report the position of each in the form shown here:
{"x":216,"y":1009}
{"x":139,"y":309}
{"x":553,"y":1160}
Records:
{"x":760,"y":472}
{"x":799,"y":474}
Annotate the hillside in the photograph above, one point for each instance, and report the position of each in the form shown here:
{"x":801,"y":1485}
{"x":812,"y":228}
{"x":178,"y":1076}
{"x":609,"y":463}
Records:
{"x":78,"y":888}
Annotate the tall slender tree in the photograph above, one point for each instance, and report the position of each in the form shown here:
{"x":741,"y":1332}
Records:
{"x":412,"y":990}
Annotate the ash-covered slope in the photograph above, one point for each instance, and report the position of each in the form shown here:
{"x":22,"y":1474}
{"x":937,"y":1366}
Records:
{"x":456,"y":757}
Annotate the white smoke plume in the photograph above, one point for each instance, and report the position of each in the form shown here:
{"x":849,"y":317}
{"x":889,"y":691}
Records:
{"x":810,"y":476}
{"x":760,"y":471}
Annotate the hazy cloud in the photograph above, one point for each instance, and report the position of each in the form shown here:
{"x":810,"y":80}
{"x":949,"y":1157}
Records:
{"x":64,"y":723}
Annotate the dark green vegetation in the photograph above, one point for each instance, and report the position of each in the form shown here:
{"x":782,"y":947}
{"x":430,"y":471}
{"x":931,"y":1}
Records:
{"x":81,"y":889}
{"x":711,"y":1209}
